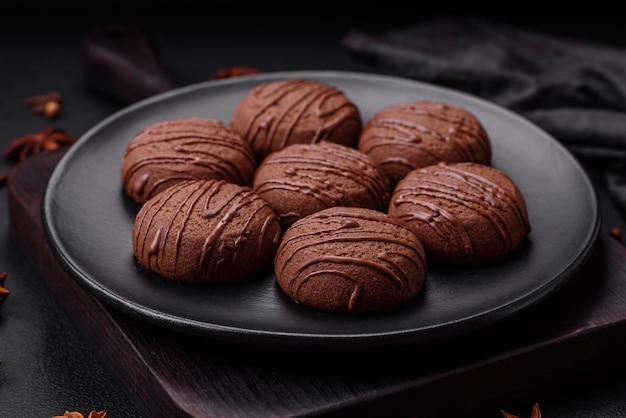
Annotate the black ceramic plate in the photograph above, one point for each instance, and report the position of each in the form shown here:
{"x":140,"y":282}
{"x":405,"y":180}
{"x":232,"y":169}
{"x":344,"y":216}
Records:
{"x":88,"y":221}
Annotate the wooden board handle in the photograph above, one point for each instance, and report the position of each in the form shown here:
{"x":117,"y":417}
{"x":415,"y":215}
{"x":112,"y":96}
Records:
{"x":120,"y":62}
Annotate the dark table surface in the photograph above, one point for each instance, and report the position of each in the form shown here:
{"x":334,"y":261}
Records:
{"x":46,"y":366}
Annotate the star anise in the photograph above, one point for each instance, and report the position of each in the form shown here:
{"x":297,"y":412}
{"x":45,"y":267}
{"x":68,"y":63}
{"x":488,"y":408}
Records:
{"x":616,"y":233}
{"x":234,"y":72}
{"x":48,"y":138}
{"x":3,"y":291}
{"x":48,"y":105}
{"x":535,"y":414}
{"x":92,"y":414}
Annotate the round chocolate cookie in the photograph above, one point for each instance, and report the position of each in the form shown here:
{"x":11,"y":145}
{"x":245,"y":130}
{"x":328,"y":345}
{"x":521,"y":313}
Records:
{"x":463,"y":212}
{"x":171,"y":151}
{"x":301,"y":179}
{"x":350,"y":260}
{"x":279,"y":113}
{"x":407,"y":136}
{"x":205,"y":232}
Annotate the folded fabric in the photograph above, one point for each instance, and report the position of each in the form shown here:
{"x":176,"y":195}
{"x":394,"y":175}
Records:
{"x":574,"y":90}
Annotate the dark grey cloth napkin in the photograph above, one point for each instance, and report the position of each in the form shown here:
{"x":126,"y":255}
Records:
{"x":574,"y":90}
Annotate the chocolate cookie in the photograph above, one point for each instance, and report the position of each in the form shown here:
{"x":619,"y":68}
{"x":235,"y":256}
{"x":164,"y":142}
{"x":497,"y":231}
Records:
{"x":407,"y":136}
{"x":205,"y":232}
{"x":462,"y":212}
{"x":167,"y":152}
{"x":279,"y":113}
{"x":301,"y":179}
{"x":350,"y":260}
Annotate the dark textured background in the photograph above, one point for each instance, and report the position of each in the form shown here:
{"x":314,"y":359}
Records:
{"x":46,"y":367}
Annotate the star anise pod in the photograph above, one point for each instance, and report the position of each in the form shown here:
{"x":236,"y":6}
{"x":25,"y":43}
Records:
{"x":3,"y":291}
{"x":48,"y":138}
{"x":535,"y":414}
{"x":235,"y":71}
{"x":616,"y":233}
{"x":92,"y":414}
{"x":48,"y":105}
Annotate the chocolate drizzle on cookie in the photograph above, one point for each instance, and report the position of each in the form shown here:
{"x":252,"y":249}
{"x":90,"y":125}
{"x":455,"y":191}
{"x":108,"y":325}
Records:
{"x":413,"y":135}
{"x":456,"y":201}
{"x":367,"y":249}
{"x":285,"y":112}
{"x":206,"y":231}
{"x":167,"y":152}
{"x":331,"y":174}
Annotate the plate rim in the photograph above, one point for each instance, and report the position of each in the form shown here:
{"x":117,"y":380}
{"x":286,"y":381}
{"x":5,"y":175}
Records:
{"x":278,"y":338}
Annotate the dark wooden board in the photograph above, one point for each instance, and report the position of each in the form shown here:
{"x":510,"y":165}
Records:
{"x":572,"y":335}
